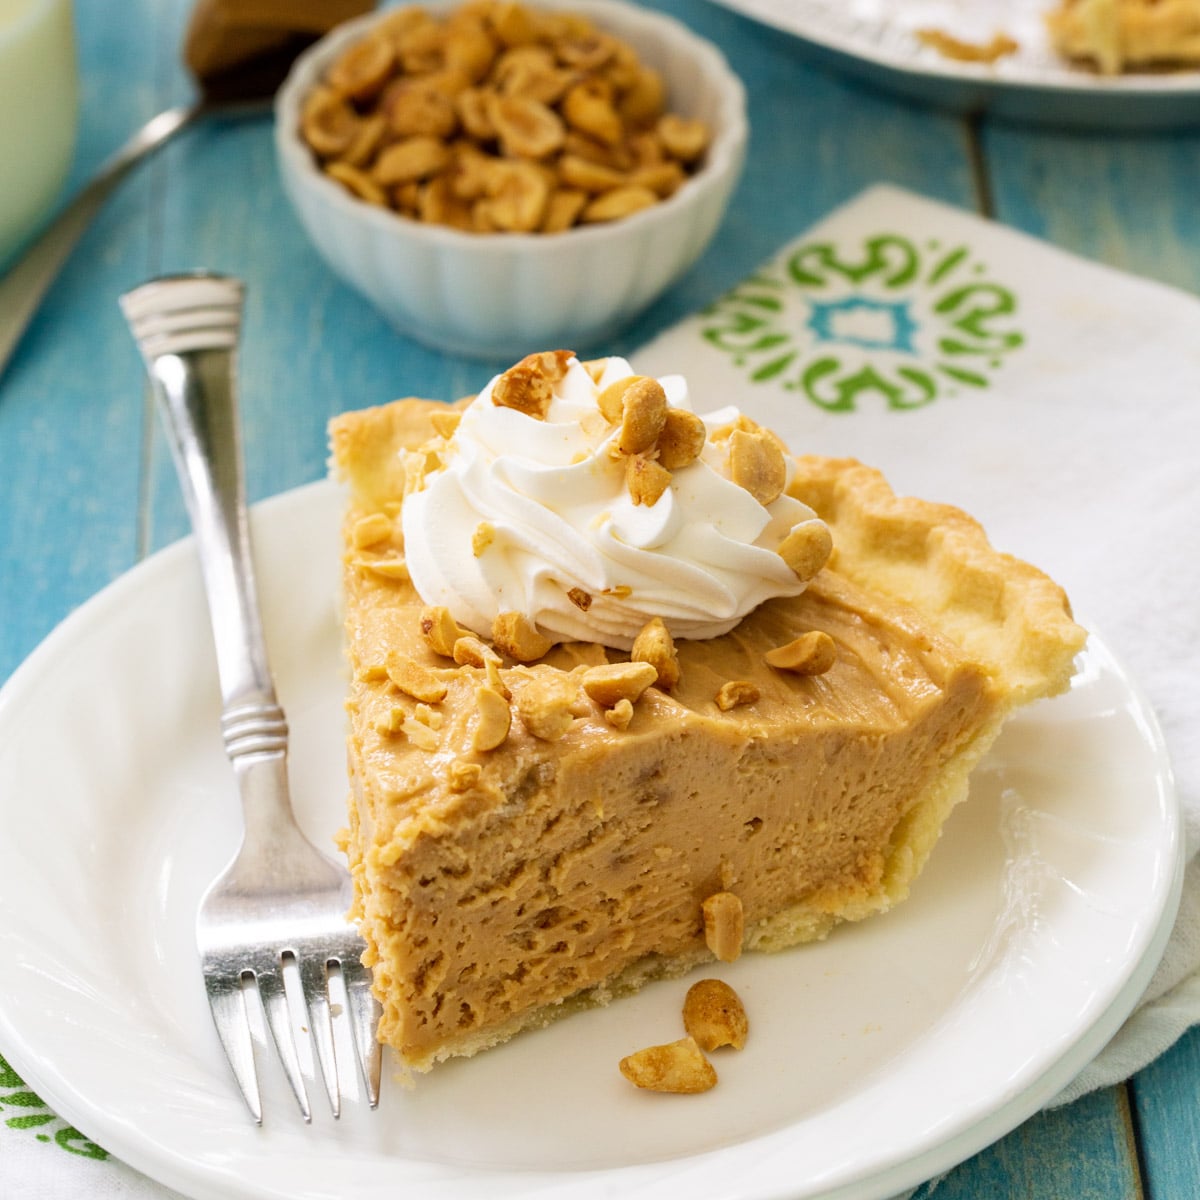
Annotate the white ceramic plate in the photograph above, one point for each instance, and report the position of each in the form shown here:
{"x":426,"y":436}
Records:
{"x":876,"y":40}
{"x":890,"y":1051}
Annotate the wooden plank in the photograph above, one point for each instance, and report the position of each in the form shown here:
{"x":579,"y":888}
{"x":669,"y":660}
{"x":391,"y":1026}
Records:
{"x":1084,"y":1151}
{"x":70,"y":407}
{"x":1166,"y":1105}
{"x":1129,"y":201}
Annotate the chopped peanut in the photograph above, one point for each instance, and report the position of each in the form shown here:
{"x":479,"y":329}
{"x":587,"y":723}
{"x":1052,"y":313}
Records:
{"x":445,"y":422}
{"x":620,"y":715}
{"x":463,"y":776}
{"x":654,"y":645}
{"x":611,"y":401}
{"x":439,"y":629}
{"x":678,"y":1067}
{"x":757,"y":464}
{"x":643,"y":415}
{"x":736,"y":692}
{"x":581,"y":599}
{"x":515,"y":634}
{"x":807,"y":548}
{"x":812,"y":653}
{"x":681,"y":439}
{"x":714,"y":1015}
{"x":414,"y":680}
{"x":495,"y":719}
{"x":387,"y":568}
{"x":368,"y":531}
{"x":525,"y":390}
{"x":545,"y":705}
{"x":618,"y":681}
{"x":724,"y":925}
{"x":469,"y":651}
{"x":482,"y":538}
{"x":646,"y":480}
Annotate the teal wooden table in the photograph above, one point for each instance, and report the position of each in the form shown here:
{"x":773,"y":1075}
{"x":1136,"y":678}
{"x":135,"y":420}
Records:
{"x":86,"y":489}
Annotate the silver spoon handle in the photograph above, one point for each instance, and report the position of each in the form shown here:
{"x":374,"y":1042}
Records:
{"x":187,"y":329}
{"x":25,"y":284}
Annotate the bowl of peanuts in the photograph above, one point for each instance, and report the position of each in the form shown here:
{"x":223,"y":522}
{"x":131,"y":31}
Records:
{"x":498,"y":178}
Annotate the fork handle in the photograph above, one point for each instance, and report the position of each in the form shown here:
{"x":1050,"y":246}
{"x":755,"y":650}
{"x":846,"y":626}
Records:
{"x":187,"y":327}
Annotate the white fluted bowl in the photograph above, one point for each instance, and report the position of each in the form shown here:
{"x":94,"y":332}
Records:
{"x":502,"y":295}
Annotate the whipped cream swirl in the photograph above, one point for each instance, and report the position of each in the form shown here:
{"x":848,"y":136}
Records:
{"x":526,"y":513}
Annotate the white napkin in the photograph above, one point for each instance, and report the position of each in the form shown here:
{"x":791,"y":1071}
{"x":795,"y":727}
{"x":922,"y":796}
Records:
{"x":1055,"y":400}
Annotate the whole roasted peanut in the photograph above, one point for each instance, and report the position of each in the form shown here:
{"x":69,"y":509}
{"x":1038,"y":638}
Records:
{"x":681,"y":440}
{"x":546,"y":706}
{"x":511,"y":84}
{"x":678,"y":1067}
{"x":807,"y":548}
{"x":654,"y":645}
{"x":714,"y":1015}
{"x":494,"y":721}
{"x":812,"y":653}
{"x":439,"y":629}
{"x":618,"y":681}
{"x":515,"y":635}
{"x":643,"y":415}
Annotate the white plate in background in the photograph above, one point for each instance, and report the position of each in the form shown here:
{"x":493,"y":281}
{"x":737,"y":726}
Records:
{"x":875,"y":40}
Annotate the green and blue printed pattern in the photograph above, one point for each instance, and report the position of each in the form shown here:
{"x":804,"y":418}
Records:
{"x":889,"y":321}
{"x":23,"y":1111}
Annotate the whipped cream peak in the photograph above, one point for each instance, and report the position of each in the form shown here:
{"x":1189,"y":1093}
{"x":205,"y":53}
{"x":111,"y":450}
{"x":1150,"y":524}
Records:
{"x":592,"y":500}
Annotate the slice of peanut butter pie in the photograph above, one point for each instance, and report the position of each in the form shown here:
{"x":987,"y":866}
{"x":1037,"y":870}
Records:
{"x":612,"y":659}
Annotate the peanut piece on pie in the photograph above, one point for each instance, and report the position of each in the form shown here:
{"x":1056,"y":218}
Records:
{"x":439,"y":629}
{"x":757,"y":464}
{"x":724,"y":925}
{"x":413,"y":679}
{"x":646,"y":480}
{"x":515,"y":635}
{"x":807,"y":548}
{"x":812,"y":653}
{"x":371,"y":530}
{"x":385,"y":568}
{"x":445,"y":422}
{"x":495,"y":719}
{"x":714,"y":1015}
{"x":643,"y":414}
{"x":654,"y":645}
{"x":546,"y":706}
{"x":620,"y":715}
{"x":482,"y":538}
{"x":736,"y":692}
{"x":618,"y":681}
{"x":611,"y":401}
{"x":469,"y":651}
{"x":681,"y":439}
{"x":464,"y":776}
{"x":525,"y":390}
{"x":678,"y":1067}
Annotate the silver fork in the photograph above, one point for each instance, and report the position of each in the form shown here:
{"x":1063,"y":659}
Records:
{"x":278,"y":911}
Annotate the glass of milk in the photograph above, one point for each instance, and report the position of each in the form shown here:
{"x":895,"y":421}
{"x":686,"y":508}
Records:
{"x":39,"y":97}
